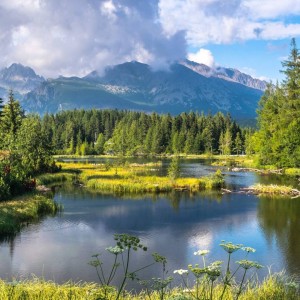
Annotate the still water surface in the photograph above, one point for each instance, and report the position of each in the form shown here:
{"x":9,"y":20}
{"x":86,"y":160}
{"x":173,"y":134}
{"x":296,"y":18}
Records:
{"x":174,"y":225}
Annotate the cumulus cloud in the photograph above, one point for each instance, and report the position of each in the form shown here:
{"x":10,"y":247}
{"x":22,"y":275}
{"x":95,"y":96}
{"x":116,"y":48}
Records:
{"x":218,"y":21}
{"x":203,"y":56}
{"x":75,"y":37}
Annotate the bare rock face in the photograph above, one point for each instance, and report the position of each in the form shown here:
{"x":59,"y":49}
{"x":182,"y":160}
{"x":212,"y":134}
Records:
{"x":185,"y":86}
{"x":19,"y":78}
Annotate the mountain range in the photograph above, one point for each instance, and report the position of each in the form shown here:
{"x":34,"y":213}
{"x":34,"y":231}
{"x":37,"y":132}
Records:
{"x":185,"y":86}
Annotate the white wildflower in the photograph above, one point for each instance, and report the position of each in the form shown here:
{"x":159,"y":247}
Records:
{"x":181,"y":271}
{"x":201,"y":252}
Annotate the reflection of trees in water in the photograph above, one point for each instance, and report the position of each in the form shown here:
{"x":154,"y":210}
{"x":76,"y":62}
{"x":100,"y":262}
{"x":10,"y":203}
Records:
{"x":279,"y":180}
{"x":279,"y":218}
{"x":174,"y":197}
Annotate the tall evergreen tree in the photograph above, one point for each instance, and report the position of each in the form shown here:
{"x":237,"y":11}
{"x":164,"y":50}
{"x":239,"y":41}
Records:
{"x":11,"y":120}
{"x":1,"y":106}
{"x":278,"y":139}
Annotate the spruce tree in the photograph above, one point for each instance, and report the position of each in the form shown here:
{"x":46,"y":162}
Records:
{"x":278,"y":139}
{"x":11,"y":120}
{"x":1,"y":106}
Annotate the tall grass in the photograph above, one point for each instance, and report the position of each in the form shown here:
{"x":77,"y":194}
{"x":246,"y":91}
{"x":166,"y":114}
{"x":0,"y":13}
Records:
{"x":49,"y":178}
{"x":274,"y":287}
{"x":19,"y":212}
{"x":133,"y":178}
{"x":273,"y":189}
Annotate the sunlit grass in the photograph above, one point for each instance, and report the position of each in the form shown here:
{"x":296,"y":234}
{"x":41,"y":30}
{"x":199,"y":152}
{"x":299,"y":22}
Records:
{"x":131,"y":178}
{"x":49,"y":178}
{"x":292,"y":171}
{"x":272,"y":189}
{"x":274,"y":287}
{"x":29,"y":208}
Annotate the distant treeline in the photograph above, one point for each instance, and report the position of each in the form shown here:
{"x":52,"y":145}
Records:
{"x":137,"y":133}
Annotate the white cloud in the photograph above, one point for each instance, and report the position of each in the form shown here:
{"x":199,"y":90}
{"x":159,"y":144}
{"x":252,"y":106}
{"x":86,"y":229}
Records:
{"x":109,"y":9}
{"x":78,"y":36}
{"x":219,"y":21}
{"x":74,"y":37}
{"x":272,"y":9}
{"x":203,"y":56}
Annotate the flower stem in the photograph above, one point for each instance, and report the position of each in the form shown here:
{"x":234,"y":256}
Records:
{"x":125,"y":274}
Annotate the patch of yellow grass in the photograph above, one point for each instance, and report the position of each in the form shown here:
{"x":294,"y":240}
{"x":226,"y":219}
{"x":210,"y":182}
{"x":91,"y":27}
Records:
{"x":131,"y":179}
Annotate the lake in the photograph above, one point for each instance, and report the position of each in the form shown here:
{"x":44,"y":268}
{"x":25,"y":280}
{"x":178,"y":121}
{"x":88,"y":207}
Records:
{"x":174,"y":225}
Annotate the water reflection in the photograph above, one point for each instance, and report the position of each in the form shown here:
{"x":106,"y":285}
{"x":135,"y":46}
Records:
{"x":279,"y":219}
{"x":174,"y":225}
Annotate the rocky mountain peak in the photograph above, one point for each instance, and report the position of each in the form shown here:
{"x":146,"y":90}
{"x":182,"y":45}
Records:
{"x":21,"y":78}
{"x":228,"y":74}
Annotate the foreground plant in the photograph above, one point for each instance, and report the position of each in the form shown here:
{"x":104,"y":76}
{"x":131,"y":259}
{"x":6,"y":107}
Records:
{"x":206,"y":276}
{"x":159,"y":284}
{"x":125,"y":244}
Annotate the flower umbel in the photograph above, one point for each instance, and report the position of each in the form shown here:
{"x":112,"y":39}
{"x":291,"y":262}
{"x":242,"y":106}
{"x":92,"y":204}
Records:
{"x":248,"y":264}
{"x":230,"y":247}
{"x":181,"y":272}
{"x":114,"y":250}
{"x":248,"y":249}
{"x":201,"y":252}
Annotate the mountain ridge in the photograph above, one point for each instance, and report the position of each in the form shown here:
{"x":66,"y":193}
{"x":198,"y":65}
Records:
{"x":133,"y":85}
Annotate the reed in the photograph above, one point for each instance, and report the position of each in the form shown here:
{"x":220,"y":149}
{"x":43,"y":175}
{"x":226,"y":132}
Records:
{"x":131,"y":178}
{"x":49,"y":178}
{"x":19,"y":212}
{"x":272,"y":189}
{"x":274,"y":287}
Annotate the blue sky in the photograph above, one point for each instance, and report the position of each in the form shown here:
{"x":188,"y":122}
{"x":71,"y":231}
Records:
{"x":259,"y":58}
{"x":74,"y":37}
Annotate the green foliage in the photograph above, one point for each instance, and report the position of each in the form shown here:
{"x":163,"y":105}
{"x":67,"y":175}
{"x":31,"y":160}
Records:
{"x":136,"y":133}
{"x":1,"y":106}
{"x":99,"y":145}
{"x":125,"y":244}
{"x":278,"y":140}
{"x":14,"y":214}
{"x":11,"y":120}
{"x":28,"y":151}
{"x":214,"y":280}
{"x":174,"y":168}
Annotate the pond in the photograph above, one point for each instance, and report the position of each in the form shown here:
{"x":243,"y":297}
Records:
{"x":174,"y":225}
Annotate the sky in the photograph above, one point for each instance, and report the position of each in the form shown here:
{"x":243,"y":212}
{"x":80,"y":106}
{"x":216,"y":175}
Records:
{"x":75,"y":37}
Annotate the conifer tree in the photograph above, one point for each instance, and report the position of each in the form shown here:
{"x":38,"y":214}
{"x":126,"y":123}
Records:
{"x":278,"y":139}
{"x":1,"y":106}
{"x":174,"y":168}
{"x":11,"y":120}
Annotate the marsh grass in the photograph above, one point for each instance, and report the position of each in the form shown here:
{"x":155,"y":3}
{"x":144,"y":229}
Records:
{"x":272,"y":189}
{"x":19,"y":212}
{"x":133,"y":178}
{"x":292,"y":171}
{"x":274,"y":287}
{"x":49,"y":178}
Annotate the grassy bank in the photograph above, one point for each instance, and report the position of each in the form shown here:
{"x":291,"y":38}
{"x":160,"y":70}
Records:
{"x":274,"y":287}
{"x":134,"y":178}
{"x":274,"y":190}
{"x":49,"y":178}
{"x":251,"y":162}
{"x":22,"y":210}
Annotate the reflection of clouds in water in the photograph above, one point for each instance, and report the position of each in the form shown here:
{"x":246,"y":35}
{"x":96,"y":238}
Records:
{"x":61,"y":247}
{"x":115,"y":211}
{"x":58,"y":256}
{"x":202,"y":240}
